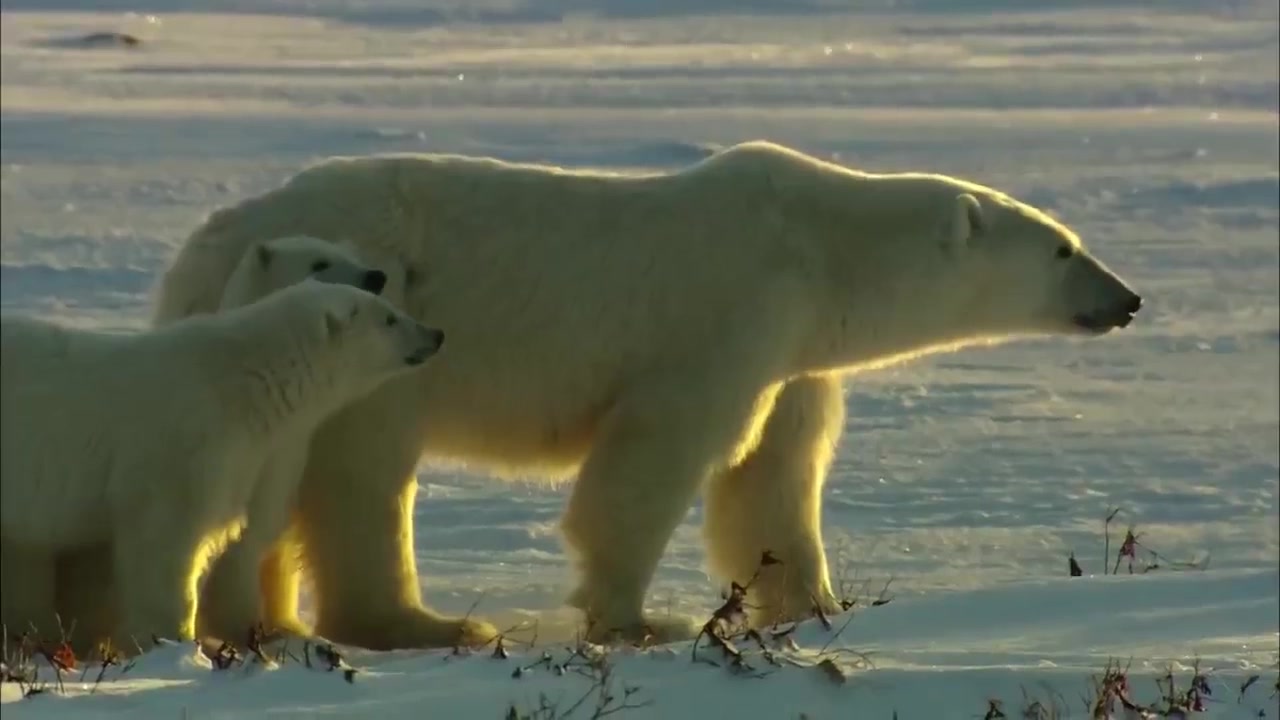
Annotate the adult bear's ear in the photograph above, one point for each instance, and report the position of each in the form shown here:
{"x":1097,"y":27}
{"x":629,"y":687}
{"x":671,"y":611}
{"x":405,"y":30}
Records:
{"x":966,"y":222}
{"x":264,"y":254}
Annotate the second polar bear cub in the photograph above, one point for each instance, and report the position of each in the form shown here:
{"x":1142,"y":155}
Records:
{"x":280,"y":262}
{"x":153,"y":442}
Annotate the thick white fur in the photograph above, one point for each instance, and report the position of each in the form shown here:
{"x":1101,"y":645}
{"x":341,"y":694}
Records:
{"x":654,"y":335}
{"x":84,"y":581}
{"x":151,"y":443}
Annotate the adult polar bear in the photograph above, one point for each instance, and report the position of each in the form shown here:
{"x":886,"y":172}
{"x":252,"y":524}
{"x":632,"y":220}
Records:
{"x":658,"y":334}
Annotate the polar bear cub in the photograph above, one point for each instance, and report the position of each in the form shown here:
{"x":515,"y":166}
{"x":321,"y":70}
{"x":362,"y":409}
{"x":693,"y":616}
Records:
{"x":280,"y":262}
{"x":83,"y":580}
{"x":153,"y":442}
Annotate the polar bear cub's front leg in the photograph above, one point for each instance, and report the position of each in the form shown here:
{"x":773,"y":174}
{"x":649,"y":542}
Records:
{"x":158,"y":600}
{"x":234,"y":602}
{"x":159,"y":555}
{"x":27,"y":590}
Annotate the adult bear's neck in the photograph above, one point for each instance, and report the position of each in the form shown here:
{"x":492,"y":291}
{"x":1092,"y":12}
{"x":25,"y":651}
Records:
{"x":876,"y":306}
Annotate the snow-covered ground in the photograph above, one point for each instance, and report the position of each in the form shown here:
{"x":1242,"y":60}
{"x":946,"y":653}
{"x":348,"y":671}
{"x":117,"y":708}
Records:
{"x":968,"y":479}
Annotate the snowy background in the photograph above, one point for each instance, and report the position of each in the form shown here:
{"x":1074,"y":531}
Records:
{"x":968,"y":478}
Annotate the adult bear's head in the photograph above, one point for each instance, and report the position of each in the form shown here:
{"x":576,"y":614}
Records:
{"x":920,"y":261}
{"x":1018,"y":271}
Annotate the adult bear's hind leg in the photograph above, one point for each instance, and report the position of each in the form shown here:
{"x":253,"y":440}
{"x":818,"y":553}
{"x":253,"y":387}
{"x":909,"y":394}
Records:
{"x":355,"y":519}
{"x":772,"y":500}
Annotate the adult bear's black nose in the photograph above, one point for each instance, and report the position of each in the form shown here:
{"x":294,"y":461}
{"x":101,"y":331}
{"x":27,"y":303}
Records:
{"x":374,"y":281}
{"x":1128,"y":308}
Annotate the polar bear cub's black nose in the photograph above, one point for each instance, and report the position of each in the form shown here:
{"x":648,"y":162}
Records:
{"x":374,"y":281}
{"x":431,"y":339}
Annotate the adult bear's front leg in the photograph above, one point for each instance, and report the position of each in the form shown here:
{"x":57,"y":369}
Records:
{"x":654,"y":451}
{"x":355,"y":519}
{"x":772,"y":500}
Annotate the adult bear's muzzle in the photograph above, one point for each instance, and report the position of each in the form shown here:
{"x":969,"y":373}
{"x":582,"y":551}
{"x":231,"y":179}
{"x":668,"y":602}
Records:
{"x":1113,"y":317}
{"x":1115,"y":305}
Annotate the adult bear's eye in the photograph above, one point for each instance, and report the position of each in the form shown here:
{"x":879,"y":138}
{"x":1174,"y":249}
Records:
{"x":391,"y":320}
{"x":1065,"y":252}
{"x":319,"y":266}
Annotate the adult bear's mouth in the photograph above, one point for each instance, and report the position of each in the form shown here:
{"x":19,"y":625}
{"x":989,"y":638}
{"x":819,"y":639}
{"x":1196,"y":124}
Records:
{"x":419,"y":356}
{"x":1104,"y":321}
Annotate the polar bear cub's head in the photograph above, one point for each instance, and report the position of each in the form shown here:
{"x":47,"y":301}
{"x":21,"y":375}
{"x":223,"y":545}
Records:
{"x":372,"y":333}
{"x":272,"y":265}
{"x":323,"y":345}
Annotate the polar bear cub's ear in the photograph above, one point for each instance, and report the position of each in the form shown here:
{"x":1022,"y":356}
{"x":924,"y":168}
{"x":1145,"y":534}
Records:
{"x":333,"y":322}
{"x":338,"y":317}
{"x":966,"y":222}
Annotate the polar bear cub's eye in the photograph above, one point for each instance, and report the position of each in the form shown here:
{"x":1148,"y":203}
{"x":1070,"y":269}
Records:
{"x":1065,"y":251}
{"x":391,"y":319}
{"x":319,"y":266}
